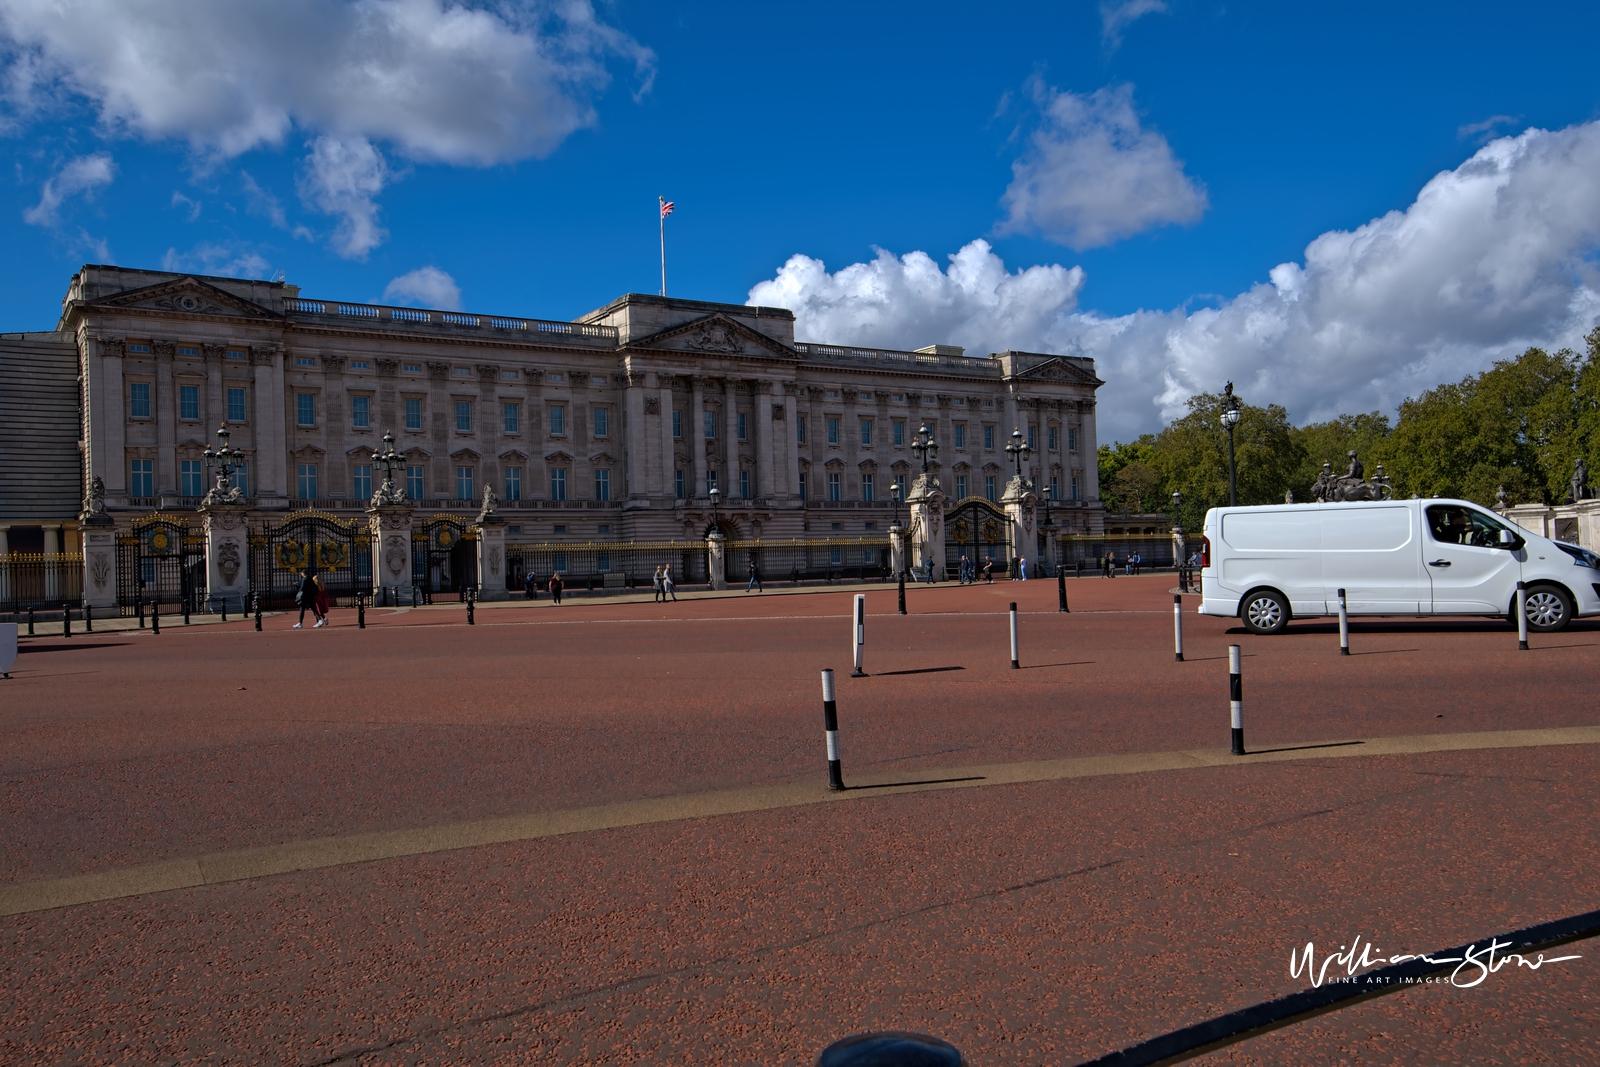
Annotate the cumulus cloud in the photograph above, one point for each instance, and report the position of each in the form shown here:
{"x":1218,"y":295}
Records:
{"x":191,"y":207}
{"x":1493,"y":256}
{"x":431,"y":80}
{"x":1093,"y":174}
{"x":427,"y":287}
{"x":1116,"y":17}
{"x":223,"y":260}
{"x":79,"y":176}
{"x":342,"y":177}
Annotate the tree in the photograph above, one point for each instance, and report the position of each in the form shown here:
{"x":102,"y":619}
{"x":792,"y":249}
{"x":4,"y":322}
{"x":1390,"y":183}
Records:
{"x":1192,"y":455}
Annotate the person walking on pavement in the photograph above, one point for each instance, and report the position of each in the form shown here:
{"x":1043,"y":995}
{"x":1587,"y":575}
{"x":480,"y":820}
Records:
{"x":755,"y":579}
{"x":305,"y":596}
{"x":321,"y":604}
{"x":1022,"y":566}
{"x":658,"y":586}
{"x":530,"y":586}
{"x":556,"y":585}
{"x":668,"y":587}
{"x":988,"y":571}
{"x":927,"y":570}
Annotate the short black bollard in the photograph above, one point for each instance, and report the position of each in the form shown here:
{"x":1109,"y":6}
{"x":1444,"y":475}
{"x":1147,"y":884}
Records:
{"x":185,"y":604}
{"x":1344,"y":624}
{"x":1061,"y":589}
{"x":30,"y":622}
{"x":138,"y":609}
{"x":1015,"y":665}
{"x":88,"y":618}
{"x":258,"y":612}
{"x":66,"y":620}
{"x":890,"y":1048}
{"x":1522,"y":618}
{"x":361,"y":612}
{"x":470,"y":621}
{"x":1177,"y":627}
{"x":902,"y":592}
{"x":830,"y":729}
{"x":1236,"y":699}
{"x":155,"y":616}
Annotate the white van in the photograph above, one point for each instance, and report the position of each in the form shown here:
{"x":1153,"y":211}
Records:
{"x":1267,"y":565}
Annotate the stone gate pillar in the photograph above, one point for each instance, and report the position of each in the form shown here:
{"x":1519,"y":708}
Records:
{"x":926,"y":502}
{"x":99,"y":549}
{"x":717,"y":559}
{"x":897,"y":550}
{"x":227,"y":549}
{"x":389,"y":526}
{"x":1020,"y":502}
{"x":491,"y":550}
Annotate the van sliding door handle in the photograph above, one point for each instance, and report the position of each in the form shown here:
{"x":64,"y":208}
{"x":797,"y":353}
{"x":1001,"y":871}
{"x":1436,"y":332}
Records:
{"x":1440,"y":563}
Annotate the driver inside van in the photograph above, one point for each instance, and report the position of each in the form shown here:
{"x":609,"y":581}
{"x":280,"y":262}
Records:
{"x":1456,"y":525}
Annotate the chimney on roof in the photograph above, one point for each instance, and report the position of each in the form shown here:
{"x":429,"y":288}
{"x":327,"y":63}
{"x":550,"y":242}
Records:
{"x":942,"y":350}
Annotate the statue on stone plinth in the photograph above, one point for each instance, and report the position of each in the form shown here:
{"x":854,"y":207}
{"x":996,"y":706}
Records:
{"x":1352,"y":486}
{"x":1580,"y":481}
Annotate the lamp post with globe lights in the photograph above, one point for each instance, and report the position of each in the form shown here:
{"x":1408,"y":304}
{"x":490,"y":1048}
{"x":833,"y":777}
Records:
{"x":1230,"y":418}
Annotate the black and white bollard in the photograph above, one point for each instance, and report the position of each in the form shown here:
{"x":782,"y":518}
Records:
{"x":1015,"y":664}
{"x":1522,"y":618}
{"x":66,"y":620}
{"x":470,"y":620}
{"x":1177,"y":627}
{"x":155,"y":616}
{"x":1236,"y":699}
{"x":1061,"y":589}
{"x":361,"y":612}
{"x":830,"y":729}
{"x":1344,"y":624}
{"x":902,"y":592}
{"x":258,"y":612}
{"x":858,"y":634}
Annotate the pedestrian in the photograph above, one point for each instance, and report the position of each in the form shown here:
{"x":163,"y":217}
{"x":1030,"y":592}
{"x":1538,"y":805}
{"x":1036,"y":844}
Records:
{"x":988,"y":571}
{"x":964,"y":574}
{"x":1127,"y":566}
{"x":321,"y":604}
{"x":1022,"y":565}
{"x":658,"y":586}
{"x":667,"y":585}
{"x":305,"y":596}
{"x":755,"y":579}
{"x":927,"y":569}
{"x":556,"y":585}
{"x":794,"y":575}
{"x":530,"y":586}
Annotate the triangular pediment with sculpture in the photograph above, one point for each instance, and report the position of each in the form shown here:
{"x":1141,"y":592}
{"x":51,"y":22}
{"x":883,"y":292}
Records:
{"x":190,"y":296}
{"x":1056,"y":369}
{"x":717,"y":335}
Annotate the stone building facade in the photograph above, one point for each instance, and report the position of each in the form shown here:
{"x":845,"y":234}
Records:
{"x":610,"y":427}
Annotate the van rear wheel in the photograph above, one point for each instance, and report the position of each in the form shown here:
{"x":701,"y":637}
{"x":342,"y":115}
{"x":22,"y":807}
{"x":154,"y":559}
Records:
{"x":1265,"y":611}
{"x":1549,"y":609}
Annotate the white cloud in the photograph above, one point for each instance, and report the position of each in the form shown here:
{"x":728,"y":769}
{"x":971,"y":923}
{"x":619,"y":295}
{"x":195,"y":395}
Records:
{"x":227,"y":261}
{"x":431,"y":80}
{"x":428,"y":287}
{"x":261,"y":202}
{"x":1493,"y":256}
{"x":82,"y":175}
{"x":191,"y":207}
{"x":1093,"y":175}
{"x":1116,"y":17}
{"x":341,"y":178}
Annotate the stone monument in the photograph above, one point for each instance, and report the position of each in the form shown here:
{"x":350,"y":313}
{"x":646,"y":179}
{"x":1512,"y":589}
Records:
{"x":227,"y":543}
{"x":926,"y":504}
{"x":389,"y":525}
{"x":1020,"y":502}
{"x":491,"y":549}
{"x":717,"y":559}
{"x":99,"y":548}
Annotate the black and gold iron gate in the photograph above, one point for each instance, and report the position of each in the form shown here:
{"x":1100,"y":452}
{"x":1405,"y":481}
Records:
{"x":444,"y":556}
{"x":978,"y":530}
{"x":336,"y":551}
{"x":161,"y":557}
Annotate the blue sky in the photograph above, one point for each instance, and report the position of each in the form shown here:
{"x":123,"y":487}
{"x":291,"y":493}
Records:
{"x":1167,"y":156}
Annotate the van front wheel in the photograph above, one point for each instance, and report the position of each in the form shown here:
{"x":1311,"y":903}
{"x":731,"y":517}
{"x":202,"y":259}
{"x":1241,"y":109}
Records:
{"x":1549,"y":609}
{"x":1265,"y":612}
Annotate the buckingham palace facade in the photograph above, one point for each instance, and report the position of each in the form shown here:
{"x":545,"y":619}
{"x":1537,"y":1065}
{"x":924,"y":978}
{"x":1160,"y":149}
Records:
{"x":613,"y":426}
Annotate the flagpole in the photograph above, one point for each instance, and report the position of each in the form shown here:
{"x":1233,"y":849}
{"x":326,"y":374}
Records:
{"x":663,"y":218}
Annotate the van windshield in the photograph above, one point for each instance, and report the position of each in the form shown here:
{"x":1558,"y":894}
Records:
{"x":1453,"y":524}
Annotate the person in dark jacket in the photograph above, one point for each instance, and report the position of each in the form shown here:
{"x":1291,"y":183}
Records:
{"x":755,"y":579}
{"x":556,"y":585}
{"x":530,"y":586}
{"x":305,"y":596}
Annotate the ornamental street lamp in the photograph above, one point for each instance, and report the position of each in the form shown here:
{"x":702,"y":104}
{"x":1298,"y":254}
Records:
{"x":224,"y":460}
{"x":1018,"y":450}
{"x":1230,"y":418}
{"x":925,"y":446}
{"x":390,"y":461}
{"x":894,"y":491}
{"x":1047,"y":526}
{"x":716,"y":495}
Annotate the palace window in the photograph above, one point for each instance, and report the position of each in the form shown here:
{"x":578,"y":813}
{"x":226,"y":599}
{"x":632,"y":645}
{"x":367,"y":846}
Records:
{"x":461,"y":372}
{"x":834,"y":489}
{"x":677,"y":423}
{"x":866,"y":432}
{"x":304,"y":361}
{"x":513,"y":417}
{"x":988,"y":487}
{"x":305,"y":410}
{"x":236,"y":409}
{"x":602,"y":421}
{"x":961,"y":487}
{"x":1055,"y":488}
{"x":744,"y":485}
{"x":138,"y":348}
{"x":1033,"y":437}
{"x":306,"y":480}
{"x":413,"y":368}
{"x":463,"y":418}
{"x":833,"y":431}
{"x":558,"y":483}
{"x":185,"y":351}
{"x":1075,"y":489}
{"x":360,"y":364}
{"x":513,"y":483}
{"x":558,"y":420}
{"x":139,"y":403}
{"x":800,"y":429}
{"x":235,"y":353}
{"x":677,"y":484}
{"x":866,"y":487}
{"x":414,"y":483}
{"x":241,"y":478}
{"x":188,"y":402}
{"x":360,"y":412}
{"x":413,"y":413}
{"x":805,"y":492}
{"x":900,"y":432}
{"x":711,"y":481}
{"x":1072,"y":439}
{"x":464,"y":483}
{"x":711,"y":425}
{"x":508,"y":376}
{"x":961,"y":434}
{"x":988,"y":438}
{"x":141,"y":477}
{"x":1051,"y":439}
{"x":741,"y":421}
{"x":602,"y":485}
{"x":361,"y":481}
{"x":189,"y":478}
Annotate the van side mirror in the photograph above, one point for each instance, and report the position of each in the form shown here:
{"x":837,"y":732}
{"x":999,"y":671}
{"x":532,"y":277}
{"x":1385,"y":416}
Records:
{"x":1509,"y":540}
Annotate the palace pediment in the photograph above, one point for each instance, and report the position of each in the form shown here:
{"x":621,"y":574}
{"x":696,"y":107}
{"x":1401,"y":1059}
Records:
{"x":1056,"y":369}
{"x":717,"y":335}
{"x":187,"y":296}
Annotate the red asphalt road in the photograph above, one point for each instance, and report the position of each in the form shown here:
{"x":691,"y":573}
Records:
{"x":1029,"y":924}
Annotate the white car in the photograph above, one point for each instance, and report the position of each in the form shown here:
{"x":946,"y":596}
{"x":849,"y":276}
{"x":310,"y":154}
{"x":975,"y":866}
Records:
{"x":1269,"y":564}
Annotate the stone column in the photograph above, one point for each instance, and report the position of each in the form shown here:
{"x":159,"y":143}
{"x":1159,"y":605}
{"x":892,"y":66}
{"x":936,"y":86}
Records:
{"x":791,"y":444}
{"x":668,"y":444}
{"x":926,"y":503}
{"x":227,"y":549}
{"x":633,"y":442}
{"x":1588,"y":515}
{"x":270,"y":481}
{"x":716,"y":559}
{"x":216,"y":412}
{"x":1020,"y":501}
{"x":1088,"y":449}
{"x":492,"y":557}
{"x":694,"y":436}
{"x":107,"y":417}
{"x":1012,"y":420}
{"x":897,"y":550}
{"x":728,"y":480}
{"x":166,"y":415}
{"x":390,"y":529}
{"x":761,"y":411}
{"x":99,"y":560}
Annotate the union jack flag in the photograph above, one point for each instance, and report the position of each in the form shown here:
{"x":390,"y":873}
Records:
{"x":666,"y":206}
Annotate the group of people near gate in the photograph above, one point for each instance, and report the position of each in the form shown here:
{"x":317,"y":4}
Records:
{"x":1132,"y":564}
